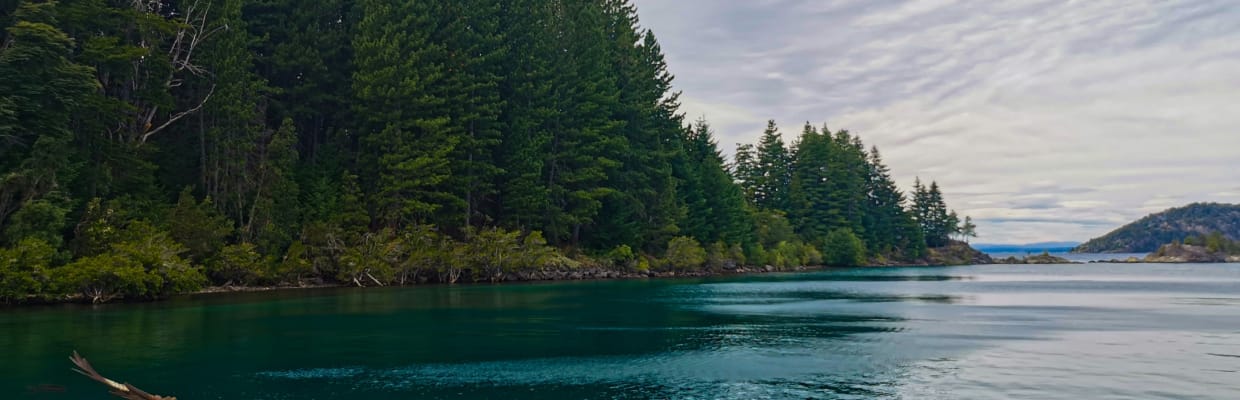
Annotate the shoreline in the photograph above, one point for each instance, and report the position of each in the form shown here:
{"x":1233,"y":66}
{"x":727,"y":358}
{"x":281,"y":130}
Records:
{"x":549,"y":276}
{"x":526,"y":277}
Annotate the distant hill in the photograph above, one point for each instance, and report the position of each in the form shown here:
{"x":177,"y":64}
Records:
{"x":1147,"y":234}
{"x":1053,"y":247}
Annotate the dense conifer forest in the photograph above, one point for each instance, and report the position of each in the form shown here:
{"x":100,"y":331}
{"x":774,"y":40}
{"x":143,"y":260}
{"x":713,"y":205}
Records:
{"x":154,"y":147}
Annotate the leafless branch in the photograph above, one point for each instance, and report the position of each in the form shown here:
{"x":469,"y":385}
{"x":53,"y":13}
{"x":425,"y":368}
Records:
{"x":176,"y":116}
{"x":122,"y":390}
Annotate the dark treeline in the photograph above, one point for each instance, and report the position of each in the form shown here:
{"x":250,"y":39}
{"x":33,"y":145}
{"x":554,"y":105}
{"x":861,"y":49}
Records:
{"x":154,"y":147}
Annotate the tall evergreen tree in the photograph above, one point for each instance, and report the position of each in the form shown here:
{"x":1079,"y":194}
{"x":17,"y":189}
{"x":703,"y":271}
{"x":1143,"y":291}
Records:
{"x":715,"y":206}
{"x":646,"y":212}
{"x":584,"y":147}
{"x":527,"y":114}
{"x":304,"y":50}
{"x":407,"y":137}
{"x":473,"y":43}
{"x":809,"y":193}
{"x":774,"y":175}
{"x":746,"y":171}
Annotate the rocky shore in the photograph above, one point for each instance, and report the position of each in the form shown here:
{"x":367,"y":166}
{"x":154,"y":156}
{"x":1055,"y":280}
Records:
{"x":1183,"y":253}
{"x":1043,"y":258}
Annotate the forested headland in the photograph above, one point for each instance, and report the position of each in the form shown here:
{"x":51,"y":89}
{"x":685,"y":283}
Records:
{"x":1148,"y":234}
{"x":149,"y":148}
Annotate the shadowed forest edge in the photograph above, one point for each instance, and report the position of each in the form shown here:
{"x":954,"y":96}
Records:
{"x":155,"y":148}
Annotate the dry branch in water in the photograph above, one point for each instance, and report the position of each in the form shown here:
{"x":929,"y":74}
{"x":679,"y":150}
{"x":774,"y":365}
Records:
{"x":122,"y":390}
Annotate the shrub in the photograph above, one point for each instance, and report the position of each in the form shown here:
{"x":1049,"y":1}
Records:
{"x":238,"y":264}
{"x":756,"y":254}
{"x":39,"y":219}
{"x":736,"y":253}
{"x":370,"y":261}
{"x":622,"y":256}
{"x":104,"y":277}
{"x":23,"y":269}
{"x":844,"y":249}
{"x":146,"y":263}
{"x":493,"y":251}
{"x":294,"y":265}
{"x":684,"y":253}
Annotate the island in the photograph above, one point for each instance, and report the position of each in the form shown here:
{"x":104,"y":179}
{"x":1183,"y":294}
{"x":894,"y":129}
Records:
{"x":1149,"y":233}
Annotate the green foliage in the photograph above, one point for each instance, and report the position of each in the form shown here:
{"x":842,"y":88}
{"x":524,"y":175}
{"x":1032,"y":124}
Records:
{"x":737,"y":254}
{"x":717,"y":257}
{"x":294,"y":266}
{"x":536,"y":253}
{"x":145,"y":263}
{"x":399,"y":83}
{"x":773,"y":228}
{"x":936,"y":221}
{"x":772,"y":174}
{"x":198,"y":226}
{"x":684,"y":253}
{"x":104,"y":277}
{"x":24,"y":269}
{"x":844,"y":249}
{"x":622,"y":256}
{"x":373,"y":142}
{"x":41,"y":90}
{"x":492,"y":252}
{"x":238,"y":264}
{"x":371,"y":261}
{"x":39,"y":219}
{"x":757,"y":255}
{"x":1215,"y":242}
{"x":98,"y":228}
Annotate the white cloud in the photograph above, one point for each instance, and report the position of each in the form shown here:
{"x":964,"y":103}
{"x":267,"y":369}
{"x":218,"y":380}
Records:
{"x":1044,"y":120}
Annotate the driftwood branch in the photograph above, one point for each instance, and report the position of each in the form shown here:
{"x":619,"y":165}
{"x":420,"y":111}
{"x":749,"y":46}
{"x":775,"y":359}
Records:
{"x":122,"y":390}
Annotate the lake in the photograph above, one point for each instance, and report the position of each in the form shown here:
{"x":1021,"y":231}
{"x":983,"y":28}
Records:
{"x":1097,"y":331}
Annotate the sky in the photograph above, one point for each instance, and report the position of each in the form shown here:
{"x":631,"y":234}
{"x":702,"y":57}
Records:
{"x":1043,"y":120}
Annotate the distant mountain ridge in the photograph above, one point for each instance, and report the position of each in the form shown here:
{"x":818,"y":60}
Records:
{"x":1053,"y":247}
{"x":1149,"y":233}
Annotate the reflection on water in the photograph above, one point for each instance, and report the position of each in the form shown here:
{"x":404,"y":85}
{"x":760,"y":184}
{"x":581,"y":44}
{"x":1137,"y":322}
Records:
{"x":1074,"y":331}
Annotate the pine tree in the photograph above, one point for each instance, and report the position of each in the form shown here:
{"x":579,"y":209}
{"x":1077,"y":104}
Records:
{"x":715,"y":207}
{"x":746,"y":172}
{"x":304,"y":51}
{"x":407,"y":137}
{"x":473,"y":43}
{"x":774,"y":175}
{"x":809,"y":193}
{"x":932,"y":215}
{"x":646,"y":212}
{"x":968,"y":229}
{"x":584,"y":147}
{"x":527,"y":114}
{"x":231,"y":137}
{"x":885,"y":226}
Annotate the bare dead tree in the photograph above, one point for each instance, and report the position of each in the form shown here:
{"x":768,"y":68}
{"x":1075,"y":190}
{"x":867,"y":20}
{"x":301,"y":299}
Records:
{"x":122,"y":390}
{"x":192,"y":30}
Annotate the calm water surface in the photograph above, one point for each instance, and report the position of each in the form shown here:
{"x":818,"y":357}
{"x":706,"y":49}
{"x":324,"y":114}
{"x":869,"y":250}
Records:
{"x":1093,"y":331}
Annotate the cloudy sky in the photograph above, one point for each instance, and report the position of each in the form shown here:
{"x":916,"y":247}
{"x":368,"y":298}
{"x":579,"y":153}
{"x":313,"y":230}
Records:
{"x":1043,"y":120}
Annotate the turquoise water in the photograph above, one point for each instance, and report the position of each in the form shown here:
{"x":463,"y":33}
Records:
{"x":1094,"y":331}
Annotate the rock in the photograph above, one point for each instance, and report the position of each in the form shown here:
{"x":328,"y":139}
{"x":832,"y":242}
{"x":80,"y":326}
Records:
{"x":1182,"y":253}
{"x":957,"y":253}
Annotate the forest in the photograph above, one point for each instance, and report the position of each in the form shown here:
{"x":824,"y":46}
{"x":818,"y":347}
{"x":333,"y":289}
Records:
{"x":156,"y":147}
